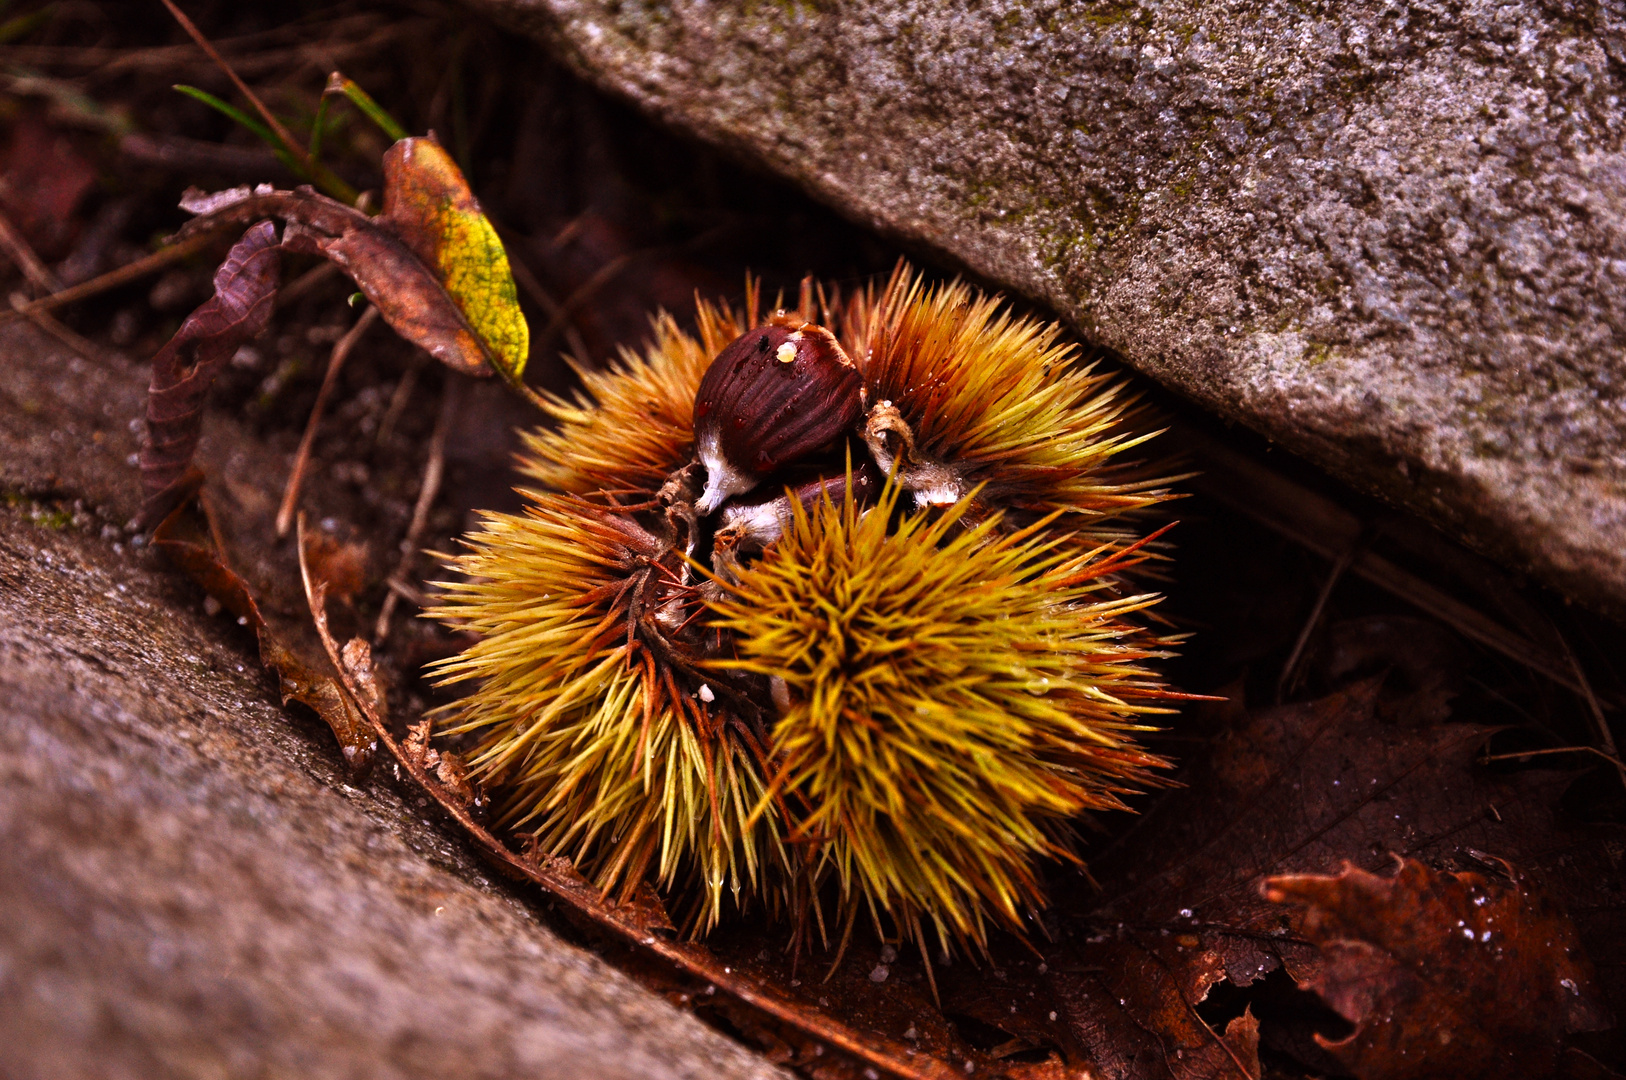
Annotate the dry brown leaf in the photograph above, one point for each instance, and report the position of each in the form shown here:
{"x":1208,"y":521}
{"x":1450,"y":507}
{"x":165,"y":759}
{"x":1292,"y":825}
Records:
{"x":431,"y":263}
{"x":1300,"y":788}
{"x":1444,"y":974}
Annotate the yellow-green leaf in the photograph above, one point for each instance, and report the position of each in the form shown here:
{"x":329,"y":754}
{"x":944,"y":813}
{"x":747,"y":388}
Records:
{"x":428,"y":204}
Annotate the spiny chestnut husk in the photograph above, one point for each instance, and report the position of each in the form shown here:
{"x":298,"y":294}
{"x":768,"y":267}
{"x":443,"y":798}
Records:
{"x":776,"y":396}
{"x":876,"y":653}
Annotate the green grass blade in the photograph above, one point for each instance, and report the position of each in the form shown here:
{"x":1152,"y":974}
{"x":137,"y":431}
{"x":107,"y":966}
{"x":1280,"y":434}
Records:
{"x":263,"y":133}
{"x":323,"y":177}
{"x":339,"y":83}
{"x":315,"y":148}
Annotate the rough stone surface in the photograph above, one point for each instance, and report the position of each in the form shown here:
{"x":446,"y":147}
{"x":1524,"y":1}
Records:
{"x":1390,"y":236}
{"x":188,"y":886}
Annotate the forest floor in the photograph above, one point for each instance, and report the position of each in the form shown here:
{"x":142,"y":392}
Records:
{"x":1357,"y":647}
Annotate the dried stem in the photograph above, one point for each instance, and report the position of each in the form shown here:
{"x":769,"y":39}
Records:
{"x":314,"y":169}
{"x":1605,"y":736}
{"x":1520,"y":755}
{"x":433,"y":472}
{"x":301,"y":286}
{"x":27,"y":260}
{"x":341,"y":350}
{"x":34,"y":269}
{"x":533,"y":288}
{"x":399,"y":399}
{"x":1322,"y":526}
{"x":602,"y":277}
{"x":77,"y":342}
{"x":137,"y":270}
{"x":560,"y":317}
{"x":266,"y":114}
{"x":1287,"y":681}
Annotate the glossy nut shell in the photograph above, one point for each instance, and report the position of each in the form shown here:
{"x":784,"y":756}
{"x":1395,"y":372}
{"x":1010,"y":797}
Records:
{"x":774,"y":396}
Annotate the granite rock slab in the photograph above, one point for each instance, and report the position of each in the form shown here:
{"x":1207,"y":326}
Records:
{"x":191,"y":885}
{"x":1391,"y":237}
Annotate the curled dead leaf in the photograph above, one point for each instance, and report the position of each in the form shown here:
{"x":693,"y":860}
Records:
{"x":185,"y":368}
{"x":1444,"y":974}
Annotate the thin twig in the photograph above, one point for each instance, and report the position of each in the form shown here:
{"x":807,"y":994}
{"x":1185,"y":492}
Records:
{"x":341,"y":351}
{"x":409,"y":593}
{"x":321,"y":174}
{"x":34,"y":269}
{"x":114,"y":278}
{"x":1322,"y":526}
{"x":161,"y":57}
{"x":77,"y":342}
{"x":433,"y":472}
{"x":1520,"y":755}
{"x":533,"y":288}
{"x":606,"y":274}
{"x":1287,"y":681}
{"x":399,"y":399}
{"x":583,"y":293}
{"x":1605,"y":736}
{"x":301,"y":286}
{"x":271,"y":121}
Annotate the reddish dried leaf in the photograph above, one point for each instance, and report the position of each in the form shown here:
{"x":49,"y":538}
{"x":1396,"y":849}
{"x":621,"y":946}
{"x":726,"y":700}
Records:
{"x":344,"y":564}
{"x":1133,"y":1016}
{"x":1243,"y":1033}
{"x":185,"y":368}
{"x":1444,"y":974}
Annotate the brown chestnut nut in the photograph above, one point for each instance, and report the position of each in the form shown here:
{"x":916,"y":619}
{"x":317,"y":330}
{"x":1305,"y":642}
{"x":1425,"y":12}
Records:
{"x":774,"y":396}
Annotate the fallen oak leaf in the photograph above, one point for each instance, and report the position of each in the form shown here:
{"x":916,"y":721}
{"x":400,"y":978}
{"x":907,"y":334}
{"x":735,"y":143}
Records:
{"x":239,"y":311}
{"x":1298,"y":788}
{"x":1444,"y":974}
{"x":431,"y":262}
